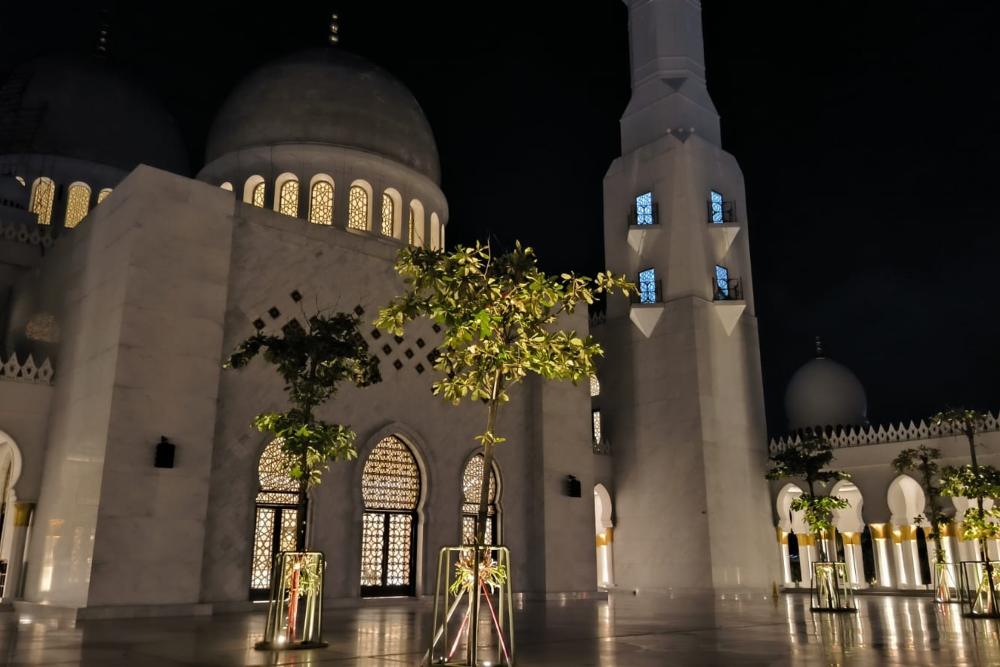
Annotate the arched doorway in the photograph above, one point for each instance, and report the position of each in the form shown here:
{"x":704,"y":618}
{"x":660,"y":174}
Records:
{"x":605,"y":537}
{"x":390,"y":490}
{"x":276,"y":518}
{"x":796,"y":558}
{"x":906,"y":500}
{"x":849,"y":525}
{"x":472,"y":485}
{"x":12,"y":535}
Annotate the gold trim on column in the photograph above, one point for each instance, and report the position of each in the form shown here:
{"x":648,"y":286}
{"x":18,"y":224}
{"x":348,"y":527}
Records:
{"x":22,"y":513}
{"x":851,"y":537}
{"x":781,"y":535}
{"x":878,"y":530}
{"x":806,"y":540}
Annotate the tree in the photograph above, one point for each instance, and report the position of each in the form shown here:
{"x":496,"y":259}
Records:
{"x":808,"y":460}
{"x":973,"y":481}
{"x":312,"y":360}
{"x":499,"y":315}
{"x":923,"y":462}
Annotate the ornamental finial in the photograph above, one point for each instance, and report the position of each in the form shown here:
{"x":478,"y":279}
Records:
{"x":334,"y":29}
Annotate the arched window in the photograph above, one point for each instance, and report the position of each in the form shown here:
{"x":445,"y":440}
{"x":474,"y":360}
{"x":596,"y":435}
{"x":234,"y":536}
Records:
{"x":472,"y":484}
{"x":43,"y":192}
{"x":227,"y":186}
{"x":417,"y":223}
{"x":435,"y":232}
{"x":357,"y":208}
{"x":77,"y":203}
{"x":387,"y":214}
{"x":390,"y":490}
{"x":287,"y":187}
{"x":276,"y":523}
{"x":595,"y":386}
{"x":254,"y":191}
{"x":321,"y":201}
{"x":103,"y":194}
{"x":410,"y":227}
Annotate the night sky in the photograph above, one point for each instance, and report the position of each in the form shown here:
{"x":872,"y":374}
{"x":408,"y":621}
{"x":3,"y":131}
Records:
{"x":866,"y":132}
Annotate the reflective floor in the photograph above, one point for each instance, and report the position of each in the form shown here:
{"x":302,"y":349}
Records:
{"x":626,"y":631}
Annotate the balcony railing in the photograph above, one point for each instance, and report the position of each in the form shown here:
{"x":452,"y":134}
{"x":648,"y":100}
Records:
{"x":727,"y":290}
{"x":633,"y":217}
{"x":649,"y":292}
{"x":720,"y":212}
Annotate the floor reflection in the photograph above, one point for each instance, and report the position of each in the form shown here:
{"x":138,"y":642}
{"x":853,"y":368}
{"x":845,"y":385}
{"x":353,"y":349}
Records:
{"x":627,"y":630}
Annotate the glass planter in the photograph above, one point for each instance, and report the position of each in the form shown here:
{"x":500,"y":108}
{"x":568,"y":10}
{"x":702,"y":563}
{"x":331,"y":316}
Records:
{"x":978,"y":596}
{"x":473,"y":624}
{"x":295,"y":610}
{"x":831,"y":590}
{"x":945,"y":587}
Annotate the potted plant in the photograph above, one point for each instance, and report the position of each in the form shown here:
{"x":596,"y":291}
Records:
{"x":499,"y":318}
{"x":807,"y":459}
{"x":312,"y":360}
{"x":979,"y":579}
{"x":922,"y":461}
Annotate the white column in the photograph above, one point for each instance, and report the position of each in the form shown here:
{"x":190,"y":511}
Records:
{"x":18,"y":542}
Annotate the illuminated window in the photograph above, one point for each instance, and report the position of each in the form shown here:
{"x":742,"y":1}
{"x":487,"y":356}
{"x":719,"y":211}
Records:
{"x":257,"y":199}
{"x":644,"y":209}
{"x":387,"y":213}
{"x":411,"y":226}
{"x":390,"y":490}
{"x":357,"y":208}
{"x":596,"y":420}
{"x":288,"y":197}
{"x":595,"y":386}
{"x":43,"y":192}
{"x":716,"y":207}
{"x":276,"y":517}
{"x":103,"y":194}
{"x":647,"y":287}
{"x":227,"y":186}
{"x":77,"y":203}
{"x":435,"y":232}
{"x":721,"y":282}
{"x":321,"y":203}
{"x":472,"y":485}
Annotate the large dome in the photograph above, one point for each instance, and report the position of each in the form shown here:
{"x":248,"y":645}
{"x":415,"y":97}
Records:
{"x":82,"y":109}
{"x":326,"y":96}
{"x":825,"y":393}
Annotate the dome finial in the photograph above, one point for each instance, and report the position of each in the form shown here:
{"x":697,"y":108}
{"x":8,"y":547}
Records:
{"x":103,"y":28}
{"x":334,"y":28}
{"x":819,"y":348}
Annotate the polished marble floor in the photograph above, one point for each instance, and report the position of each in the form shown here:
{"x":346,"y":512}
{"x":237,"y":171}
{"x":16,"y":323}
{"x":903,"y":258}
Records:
{"x":626,"y":631}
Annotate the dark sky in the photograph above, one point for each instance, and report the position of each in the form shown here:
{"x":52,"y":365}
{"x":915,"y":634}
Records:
{"x":866,"y":131}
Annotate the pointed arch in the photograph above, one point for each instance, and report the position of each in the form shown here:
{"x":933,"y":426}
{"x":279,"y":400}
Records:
{"x":103,"y":194}
{"x":43,"y":194}
{"x":435,"y":232}
{"x":277,"y":524}
{"x":321,"y":190}
{"x":225,"y":186}
{"x":472,"y":484}
{"x":391,"y":490}
{"x":392,"y":204}
{"x":77,"y":203}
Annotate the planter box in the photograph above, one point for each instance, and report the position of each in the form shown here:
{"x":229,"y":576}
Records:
{"x":831,"y":590}
{"x":295,"y":610}
{"x":978,"y":597}
{"x":473,"y":624}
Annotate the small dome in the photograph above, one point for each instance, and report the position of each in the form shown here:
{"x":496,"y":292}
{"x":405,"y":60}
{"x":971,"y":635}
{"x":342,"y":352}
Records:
{"x":80,"y":108}
{"x":825,"y":393}
{"x":12,"y":193}
{"x":326,"y":96}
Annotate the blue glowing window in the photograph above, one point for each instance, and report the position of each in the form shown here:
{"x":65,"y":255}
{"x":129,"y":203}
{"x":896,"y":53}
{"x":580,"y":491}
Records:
{"x":715,"y":202}
{"x":721,"y":281}
{"x":647,"y":286}
{"x":644,"y":209}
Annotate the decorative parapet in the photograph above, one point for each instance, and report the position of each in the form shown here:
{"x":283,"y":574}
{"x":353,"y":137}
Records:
{"x":12,"y":369}
{"x":861,"y":436}
{"x":27,"y":233}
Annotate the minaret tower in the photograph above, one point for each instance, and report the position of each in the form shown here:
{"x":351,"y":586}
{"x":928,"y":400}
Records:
{"x":684,"y":408}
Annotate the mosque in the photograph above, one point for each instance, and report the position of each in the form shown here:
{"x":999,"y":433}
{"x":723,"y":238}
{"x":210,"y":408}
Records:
{"x":132,"y":483}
